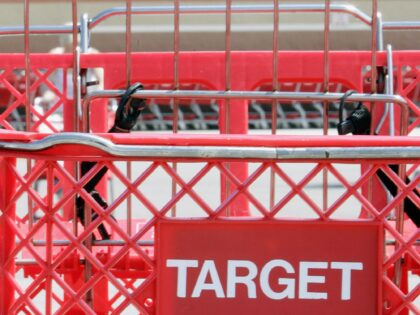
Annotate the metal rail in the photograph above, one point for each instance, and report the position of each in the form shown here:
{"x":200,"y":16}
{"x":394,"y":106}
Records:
{"x":197,"y":9}
{"x":214,"y":152}
{"x":37,"y":29}
{"x":275,"y":95}
{"x":238,"y":8}
{"x":401,"y":25}
{"x":256,"y":8}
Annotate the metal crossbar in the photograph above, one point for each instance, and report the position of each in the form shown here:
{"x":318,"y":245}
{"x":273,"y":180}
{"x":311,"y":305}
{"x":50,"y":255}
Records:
{"x":215,"y":152}
{"x":247,"y":95}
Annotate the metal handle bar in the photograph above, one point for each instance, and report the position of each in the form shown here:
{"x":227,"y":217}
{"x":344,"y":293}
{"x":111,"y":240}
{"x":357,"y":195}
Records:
{"x":278,"y":96}
{"x":255,"y":8}
{"x":239,"y":8}
{"x":195,"y":9}
{"x":38,"y":29}
{"x":401,"y":25}
{"x":215,"y":152}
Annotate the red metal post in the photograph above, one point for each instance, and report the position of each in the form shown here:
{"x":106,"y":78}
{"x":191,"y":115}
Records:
{"x":75,"y":281}
{"x":238,"y":111}
{"x":101,"y":298}
{"x":7,"y":235}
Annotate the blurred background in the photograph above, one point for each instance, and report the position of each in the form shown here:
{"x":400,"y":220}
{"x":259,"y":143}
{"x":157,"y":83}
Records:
{"x":298,"y":31}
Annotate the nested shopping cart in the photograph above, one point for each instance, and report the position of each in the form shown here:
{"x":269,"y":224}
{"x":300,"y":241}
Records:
{"x":211,"y":222}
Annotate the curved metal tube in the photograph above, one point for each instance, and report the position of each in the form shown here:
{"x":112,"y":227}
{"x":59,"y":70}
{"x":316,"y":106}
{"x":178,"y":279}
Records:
{"x":386,"y":110}
{"x":390,"y":87}
{"x":195,"y":9}
{"x":219,"y":152}
{"x":240,"y":8}
{"x":266,"y":95}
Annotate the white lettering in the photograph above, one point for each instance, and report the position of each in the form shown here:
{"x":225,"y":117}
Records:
{"x":208,"y":269}
{"x":346,"y":268}
{"x":299,"y":280}
{"x":289,"y":291}
{"x":305,"y":279}
{"x":233,"y":279}
{"x":182,"y":265}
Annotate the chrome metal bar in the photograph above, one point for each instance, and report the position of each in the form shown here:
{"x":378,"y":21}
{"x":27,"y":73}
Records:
{"x":216,"y":152}
{"x":374,"y":48}
{"x":275,"y":95}
{"x":402,"y":169}
{"x":390,"y":87}
{"x":87,"y":271}
{"x":197,"y":9}
{"x":128,"y":43}
{"x":401,"y":25}
{"x":77,"y":89}
{"x":262,"y":95}
{"x":82,"y":73}
{"x":76,"y":65}
{"x":84,"y":33}
{"x":386,"y":110}
{"x":380,"y":33}
{"x":36,"y":29}
{"x":237,"y":8}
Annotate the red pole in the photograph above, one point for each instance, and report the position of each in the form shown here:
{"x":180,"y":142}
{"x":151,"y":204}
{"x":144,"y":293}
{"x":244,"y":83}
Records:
{"x":7,"y":235}
{"x":238,"y":111}
{"x":75,"y":280}
{"x":101,"y":298}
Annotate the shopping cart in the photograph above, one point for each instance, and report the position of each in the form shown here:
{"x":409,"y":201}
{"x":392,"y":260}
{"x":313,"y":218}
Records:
{"x":213,"y":222}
